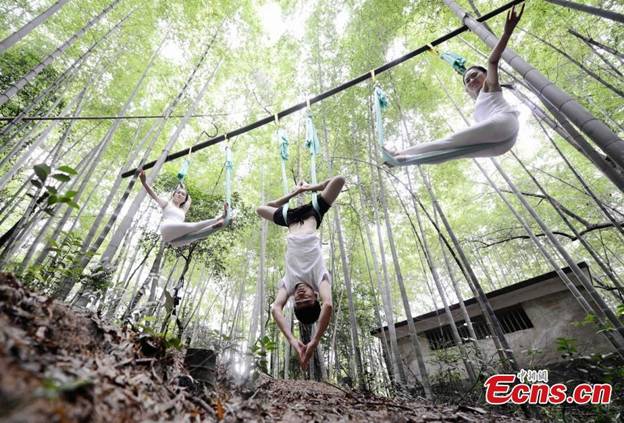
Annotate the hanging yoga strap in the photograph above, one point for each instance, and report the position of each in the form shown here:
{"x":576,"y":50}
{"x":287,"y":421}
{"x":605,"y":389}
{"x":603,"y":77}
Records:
{"x":229,"y":166}
{"x":282,"y":140}
{"x":185,"y":166}
{"x":380,"y":104}
{"x":456,"y":61}
{"x":313,"y":144}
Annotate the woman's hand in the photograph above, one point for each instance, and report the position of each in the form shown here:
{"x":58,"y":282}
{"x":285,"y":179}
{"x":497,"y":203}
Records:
{"x":298,"y":189}
{"x":302,"y":187}
{"x":512,"y":19}
{"x":310,"y":347}
{"x":300,"y":347}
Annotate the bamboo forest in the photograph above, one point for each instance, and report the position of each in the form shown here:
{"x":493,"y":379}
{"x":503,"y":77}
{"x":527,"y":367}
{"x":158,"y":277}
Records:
{"x":303,"y":210}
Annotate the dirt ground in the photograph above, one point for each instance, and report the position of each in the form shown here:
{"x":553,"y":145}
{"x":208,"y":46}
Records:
{"x":62,"y":365}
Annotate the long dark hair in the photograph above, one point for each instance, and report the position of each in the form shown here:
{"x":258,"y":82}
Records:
{"x":484,"y":70}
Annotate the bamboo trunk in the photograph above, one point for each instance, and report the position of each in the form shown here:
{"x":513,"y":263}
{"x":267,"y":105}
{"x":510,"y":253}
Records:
{"x":66,"y":285}
{"x":355,"y":341}
{"x":389,"y":348}
{"x":67,"y":74}
{"x":17,"y":86}
{"x":592,"y":42}
{"x":153,"y":275}
{"x":424,"y":376}
{"x":607,"y":14}
{"x":616,"y":281}
{"x":585,"y":69}
{"x":28,"y":27}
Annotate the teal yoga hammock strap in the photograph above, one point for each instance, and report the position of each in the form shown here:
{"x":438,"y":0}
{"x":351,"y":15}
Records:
{"x":312,"y":143}
{"x":229,"y":167}
{"x":455,"y":60}
{"x":282,"y":140}
{"x":184,"y":169}
{"x":380,"y":105}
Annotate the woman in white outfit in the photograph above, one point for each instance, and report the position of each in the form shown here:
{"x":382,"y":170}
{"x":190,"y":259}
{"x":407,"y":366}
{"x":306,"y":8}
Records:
{"x":306,"y":276}
{"x":497,"y":127}
{"x":173,"y":226}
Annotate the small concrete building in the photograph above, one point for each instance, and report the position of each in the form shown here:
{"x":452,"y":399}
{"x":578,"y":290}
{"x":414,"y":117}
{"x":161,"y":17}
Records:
{"x":533,"y":314}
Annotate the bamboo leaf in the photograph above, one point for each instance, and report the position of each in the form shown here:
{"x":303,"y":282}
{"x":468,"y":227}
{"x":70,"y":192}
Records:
{"x":42,"y":171}
{"x":68,"y":169}
{"x":61,"y":177}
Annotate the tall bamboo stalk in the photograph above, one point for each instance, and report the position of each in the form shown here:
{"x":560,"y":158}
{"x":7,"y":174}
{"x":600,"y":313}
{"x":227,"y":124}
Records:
{"x":28,"y":27}
{"x":423,"y":373}
{"x":390,"y":347}
{"x":607,"y":14}
{"x":585,"y":69}
{"x":616,"y":281}
{"x":64,"y":288}
{"x":591,"y":41}
{"x":355,"y":341}
{"x":17,"y":86}
{"x":62,"y":78}
{"x":386,"y":297}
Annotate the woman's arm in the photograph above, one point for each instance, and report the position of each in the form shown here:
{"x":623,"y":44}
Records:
{"x":323,"y":322}
{"x":285,"y":199}
{"x":277,"y":310}
{"x":491,"y":81}
{"x":267,"y":210}
{"x":162,"y":203}
{"x":331,"y":188}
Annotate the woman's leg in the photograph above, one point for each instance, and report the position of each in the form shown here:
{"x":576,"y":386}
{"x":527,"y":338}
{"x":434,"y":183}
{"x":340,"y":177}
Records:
{"x":499,"y":128}
{"x":173,"y":231}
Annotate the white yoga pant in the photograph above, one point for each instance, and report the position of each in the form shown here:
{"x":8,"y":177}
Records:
{"x":172,"y":230}
{"x":500,"y":130}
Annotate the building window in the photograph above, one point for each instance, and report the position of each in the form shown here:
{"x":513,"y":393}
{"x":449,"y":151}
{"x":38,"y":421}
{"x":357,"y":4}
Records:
{"x":512,"y":319}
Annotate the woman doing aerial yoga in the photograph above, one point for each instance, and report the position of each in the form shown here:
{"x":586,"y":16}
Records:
{"x":497,"y":126}
{"x":306,"y":276}
{"x":174,"y":230}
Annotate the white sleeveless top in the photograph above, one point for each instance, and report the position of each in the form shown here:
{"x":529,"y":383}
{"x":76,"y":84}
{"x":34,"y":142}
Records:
{"x":491,"y":103}
{"x":173,"y":213}
{"x":304,"y":263}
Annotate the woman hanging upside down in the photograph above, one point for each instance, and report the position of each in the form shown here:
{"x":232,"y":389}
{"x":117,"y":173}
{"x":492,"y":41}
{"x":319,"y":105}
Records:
{"x":497,"y":127}
{"x":306,"y":276}
{"x":173,"y":226}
